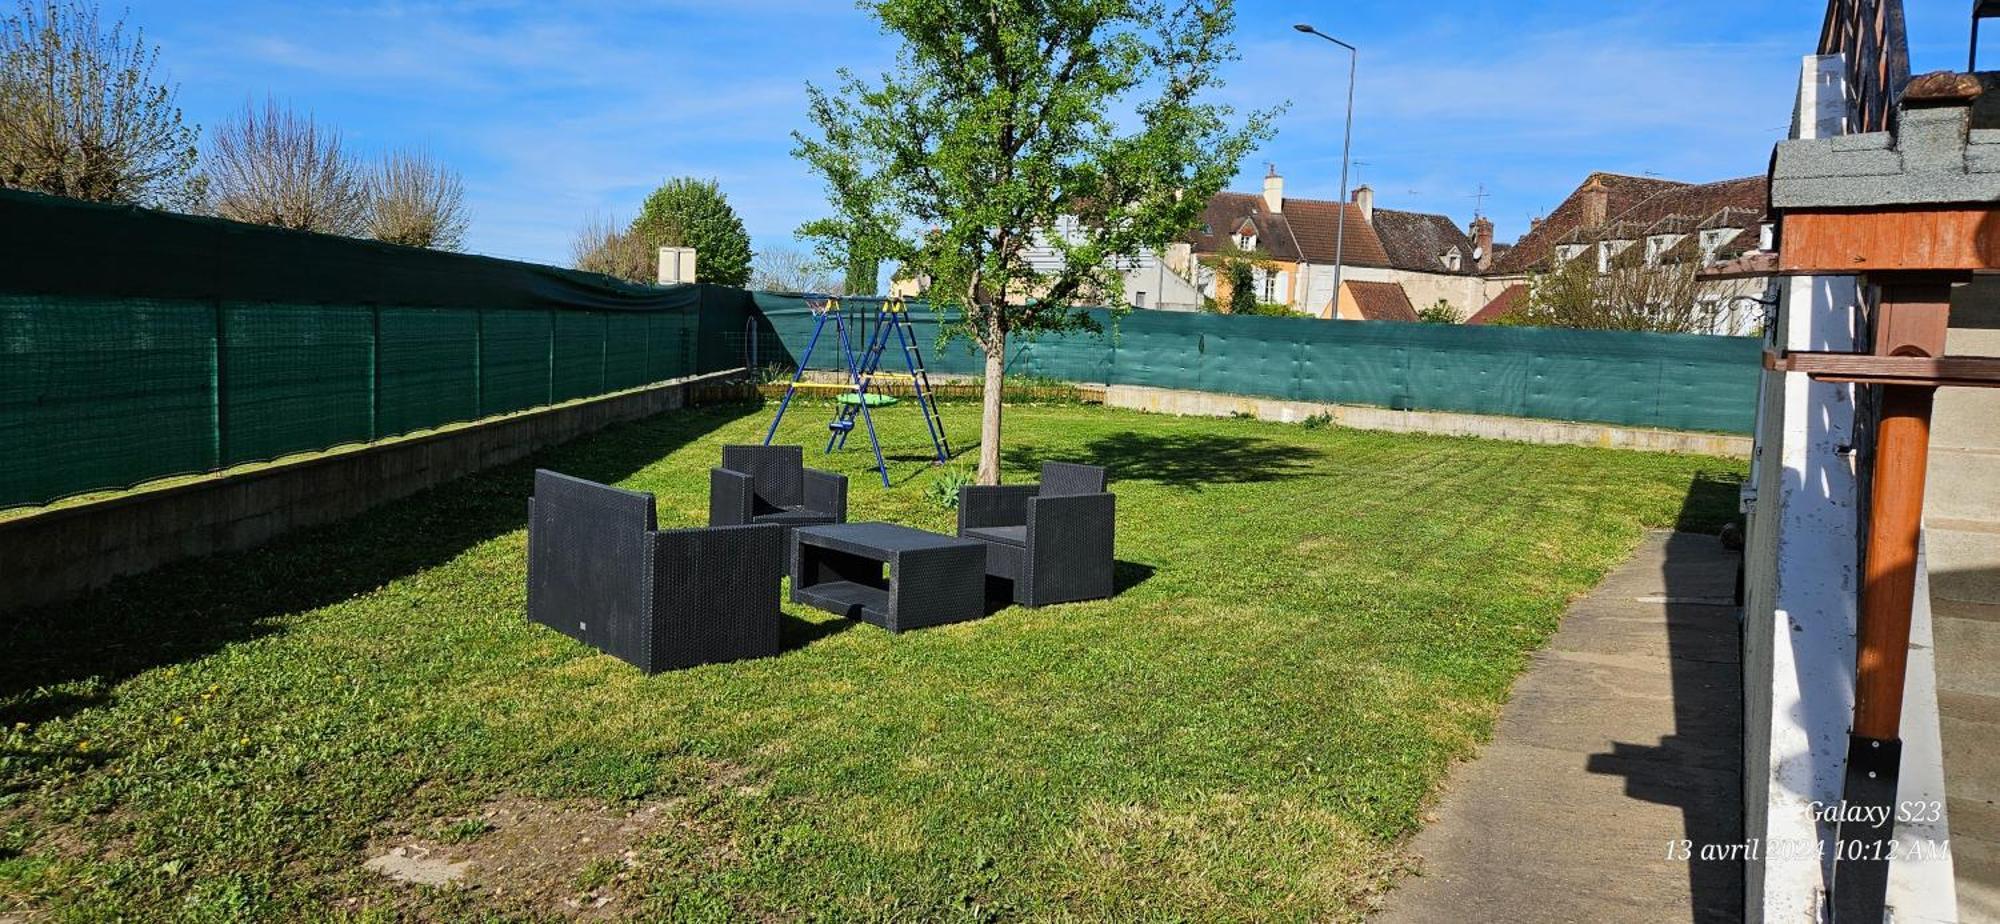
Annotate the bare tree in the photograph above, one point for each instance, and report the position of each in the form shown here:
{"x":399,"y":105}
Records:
{"x":274,"y":166}
{"x":417,"y":202}
{"x":788,"y":270}
{"x":1630,"y":294}
{"x":602,"y":245}
{"x":83,"y":113}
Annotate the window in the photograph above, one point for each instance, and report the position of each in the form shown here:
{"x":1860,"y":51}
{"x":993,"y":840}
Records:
{"x":1451,"y":259}
{"x":1271,"y":281}
{"x":1139,"y":299}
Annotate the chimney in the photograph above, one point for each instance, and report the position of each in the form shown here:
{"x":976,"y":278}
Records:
{"x":1364,"y":199}
{"x":1482,"y":241}
{"x":1274,"y":190}
{"x":1596,"y":202}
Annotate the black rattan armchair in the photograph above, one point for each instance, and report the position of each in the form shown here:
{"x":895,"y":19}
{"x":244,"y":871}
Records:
{"x":1052,"y":540}
{"x":600,"y":573}
{"x":771,"y":484}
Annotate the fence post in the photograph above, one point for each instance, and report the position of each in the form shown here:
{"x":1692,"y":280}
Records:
{"x":218,"y":392}
{"x":478,"y":363}
{"x":374,"y":372}
{"x":551,"y":395}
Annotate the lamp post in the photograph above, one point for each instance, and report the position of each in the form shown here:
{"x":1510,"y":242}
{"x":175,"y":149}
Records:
{"x":1347,"y":139}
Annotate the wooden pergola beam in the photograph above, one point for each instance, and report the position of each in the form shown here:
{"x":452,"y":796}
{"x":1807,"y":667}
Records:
{"x":1962,"y":238}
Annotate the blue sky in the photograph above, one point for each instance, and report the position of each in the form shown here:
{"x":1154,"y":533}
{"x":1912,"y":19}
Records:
{"x":557,"y":110}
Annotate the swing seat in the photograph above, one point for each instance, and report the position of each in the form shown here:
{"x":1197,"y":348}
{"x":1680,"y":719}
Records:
{"x":874,"y":400}
{"x":840,"y":426}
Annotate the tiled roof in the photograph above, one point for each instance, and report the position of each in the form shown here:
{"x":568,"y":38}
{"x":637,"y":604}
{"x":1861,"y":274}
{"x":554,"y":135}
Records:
{"x":1416,"y":240}
{"x":1317,"y":223}
{"x":1673,"y":224}
{"x":1735,"y":216}
{"x":1381,"y":301}
{"x":1746,"y":195}
{"x":1228,"y":212}
{"x":1621,"y":194}
{"x":1510,"y":298}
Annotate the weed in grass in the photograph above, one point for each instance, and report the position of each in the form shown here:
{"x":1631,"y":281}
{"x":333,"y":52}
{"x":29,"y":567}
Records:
{"x":597,"y":874}
{"x":943,"y":489}
{"x":1319,"y":421}
{"x":463,"y":830}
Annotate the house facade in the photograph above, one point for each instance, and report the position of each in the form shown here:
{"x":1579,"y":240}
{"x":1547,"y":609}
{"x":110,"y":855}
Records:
{"x":1425,"y":255}
{"x":1613,"y":220}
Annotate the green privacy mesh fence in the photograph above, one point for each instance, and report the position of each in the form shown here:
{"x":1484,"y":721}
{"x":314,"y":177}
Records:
{"x":136,"y":345}
{"x":1671,"y":381}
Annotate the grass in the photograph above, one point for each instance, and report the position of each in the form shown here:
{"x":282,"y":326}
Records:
{"x":1313,"y":624}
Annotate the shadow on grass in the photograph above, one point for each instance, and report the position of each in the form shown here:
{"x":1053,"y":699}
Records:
{"x":1712,"y":501}
{"x":1126,"y":575}
{"x":190,"y":609}
{"x":1187,"y":460}
{"x":795,"y":633}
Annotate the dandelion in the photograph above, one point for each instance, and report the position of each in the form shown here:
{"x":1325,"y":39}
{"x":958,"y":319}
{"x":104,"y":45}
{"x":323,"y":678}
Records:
{"x":179,"y":719}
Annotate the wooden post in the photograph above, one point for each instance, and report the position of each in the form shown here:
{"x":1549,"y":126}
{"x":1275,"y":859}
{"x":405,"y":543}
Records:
{"x":1910,"y":322}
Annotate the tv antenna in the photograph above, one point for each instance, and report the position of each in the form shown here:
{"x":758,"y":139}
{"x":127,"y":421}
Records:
{"x":1479,"y":201}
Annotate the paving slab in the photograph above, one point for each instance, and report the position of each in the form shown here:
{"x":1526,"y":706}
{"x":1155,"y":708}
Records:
{"x":1623,"y":737}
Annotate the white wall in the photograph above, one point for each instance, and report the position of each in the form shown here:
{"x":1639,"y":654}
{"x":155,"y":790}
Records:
{"x":1802,"y":587}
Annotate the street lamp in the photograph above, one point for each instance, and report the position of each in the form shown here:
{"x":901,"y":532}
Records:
{"x":1340,"y":223}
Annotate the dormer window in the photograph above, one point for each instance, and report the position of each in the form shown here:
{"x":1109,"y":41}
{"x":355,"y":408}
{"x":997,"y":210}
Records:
{"x":1451,"y":259}
{"x":1246,"y":242}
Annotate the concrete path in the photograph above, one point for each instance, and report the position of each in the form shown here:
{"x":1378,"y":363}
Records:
{"x":1624,"y":737}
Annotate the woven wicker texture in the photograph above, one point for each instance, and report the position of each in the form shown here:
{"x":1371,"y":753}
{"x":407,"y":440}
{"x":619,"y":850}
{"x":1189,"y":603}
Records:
{"x":778,"y":470}
{"x":754,"y":482}
{"x":599,"y":573}
{"x":1053,"y":541}
{"x":1065,"y":478}
{"x":930,"y":579}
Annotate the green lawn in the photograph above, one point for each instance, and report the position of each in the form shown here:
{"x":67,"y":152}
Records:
{"x":1313,"y":624}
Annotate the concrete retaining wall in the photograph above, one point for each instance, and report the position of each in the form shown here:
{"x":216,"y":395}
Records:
{"x":1520,"y":429}
{"x":62,"y":552}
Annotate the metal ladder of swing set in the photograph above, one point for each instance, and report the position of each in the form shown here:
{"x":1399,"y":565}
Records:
{"x":892,"y":320}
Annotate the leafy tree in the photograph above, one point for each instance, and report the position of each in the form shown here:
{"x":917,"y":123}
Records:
{"x":1078,"y":126}
{"x":686,"y":212}
{"x":417,"y":202}
{"x":1439,"y":312}
{"x":84,"y":114}
{"x":272,"y":165}
{"x":603,"y":245}
{"x":1628,"y":295}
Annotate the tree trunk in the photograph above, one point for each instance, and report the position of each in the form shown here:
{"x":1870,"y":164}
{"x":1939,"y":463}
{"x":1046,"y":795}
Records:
{"x":989,"y":415}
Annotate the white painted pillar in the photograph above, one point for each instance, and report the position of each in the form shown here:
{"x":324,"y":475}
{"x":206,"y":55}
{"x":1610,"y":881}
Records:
{"x":1802,"y":590}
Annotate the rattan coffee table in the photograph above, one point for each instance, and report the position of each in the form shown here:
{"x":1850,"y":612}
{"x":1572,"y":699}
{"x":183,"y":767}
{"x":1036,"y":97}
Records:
{"x":887,"y":575}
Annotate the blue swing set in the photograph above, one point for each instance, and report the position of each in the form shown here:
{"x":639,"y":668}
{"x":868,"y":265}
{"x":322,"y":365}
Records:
{"x":855,"y":399}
